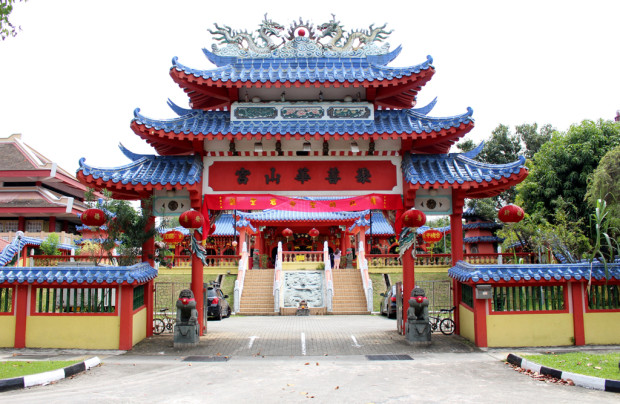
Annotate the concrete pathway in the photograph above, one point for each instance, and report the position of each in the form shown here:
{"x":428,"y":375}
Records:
{"x":323,"y":359}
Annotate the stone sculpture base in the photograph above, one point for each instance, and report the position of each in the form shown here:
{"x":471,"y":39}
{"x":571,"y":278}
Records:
{"x":186,"y":335}
{"x":418,"y":332}
{"x":302,"y":312}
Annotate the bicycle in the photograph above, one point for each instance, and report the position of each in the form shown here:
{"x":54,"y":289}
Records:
{"x":445,"y":324}
{"x":162,"y":324}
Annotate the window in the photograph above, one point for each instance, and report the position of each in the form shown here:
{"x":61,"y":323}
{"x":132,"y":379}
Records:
{"x":75,"y":300}
{"x":6,"y":300}
{"x":34,"y":225}
{"x":467,"y":295}
{"x":529,"y":298}
{"x":474,"y":248}
{"x":604,"y":297}
{"x":10,"y":225}
{"x":138,"y":297}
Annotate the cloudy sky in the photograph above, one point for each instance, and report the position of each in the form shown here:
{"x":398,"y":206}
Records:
{"x":72,"y":78}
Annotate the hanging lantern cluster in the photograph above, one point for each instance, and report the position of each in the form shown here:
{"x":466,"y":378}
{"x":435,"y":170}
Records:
{"x":93,"y":217}
{"x":313,"y":233}
{"x":511,"y":214}
{"x":173,"y":237}
{"x":191,"y":219}
{"x":413,"y":218}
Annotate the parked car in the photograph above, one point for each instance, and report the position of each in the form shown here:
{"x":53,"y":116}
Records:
{"x":217,"y":305}
{"x":388,"y":305}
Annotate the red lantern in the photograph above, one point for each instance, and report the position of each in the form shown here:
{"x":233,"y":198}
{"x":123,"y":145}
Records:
{"x":191,"y":219}
{"x":173,"y":237}
{"x":313,"y":232}
{"x":510,"y":214}
{"x":414,"y":218}
{"x":93,"y":217}
{"x":431,"y":236}
{"x":287,"y":233}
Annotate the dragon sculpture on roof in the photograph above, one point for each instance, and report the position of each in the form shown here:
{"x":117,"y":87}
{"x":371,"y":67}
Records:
{"x":301,"y":39}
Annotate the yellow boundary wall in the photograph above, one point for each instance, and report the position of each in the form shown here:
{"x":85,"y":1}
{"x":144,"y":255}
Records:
{"x":602,"y":328}
{"x":515,"y":330}
{"x":139,"y":326}
{"x":7,"y":333}
{"x":73,"y":331}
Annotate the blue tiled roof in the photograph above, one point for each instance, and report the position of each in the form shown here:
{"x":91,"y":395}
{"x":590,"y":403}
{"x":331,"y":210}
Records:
{"x":295,"y":216}
{"x":380,"y":225}
{"x":16,"y":245}
{"x":422,"y":229}
{"x":483,"y":239}
{"x":146,"y":169}
{"x":312,"y":69}
{"x":420,"y":169}
{"x":482,"y":225}
{"x":464,"y":272}
{"x":224,"y":225}
{"x":139,"y":273}
{"x":385,"y":121}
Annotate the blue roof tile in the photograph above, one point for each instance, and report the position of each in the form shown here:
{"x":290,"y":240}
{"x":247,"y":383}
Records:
{"x":421,"y":169}
{"x":386,"y":121}
{"x":146,"y":169}
{"x":483,"y":239}
{"x":139,"y":273}
{"x":11,"y":249}
{"x":482,"y":225}
{"x":312,"y":69}
{"x":464,"y":272}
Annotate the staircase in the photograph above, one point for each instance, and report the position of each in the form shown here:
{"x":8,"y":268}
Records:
{"x":257,"y":297}
{"x":349,"y":297}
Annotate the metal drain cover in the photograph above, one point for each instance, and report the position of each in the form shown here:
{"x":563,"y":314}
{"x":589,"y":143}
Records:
{"x":201,"y":358}
{"x":389,"y":358}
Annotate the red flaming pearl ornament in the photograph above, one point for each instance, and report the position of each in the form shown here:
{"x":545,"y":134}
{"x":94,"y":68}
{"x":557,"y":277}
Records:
{"x":93,"y":217}
{"x":510,"y":214}
{"x":414,"y":218}
{"x":191,"y":219}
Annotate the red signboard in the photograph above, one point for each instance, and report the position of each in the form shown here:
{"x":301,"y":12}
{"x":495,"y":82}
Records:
{"x":272,"y":176}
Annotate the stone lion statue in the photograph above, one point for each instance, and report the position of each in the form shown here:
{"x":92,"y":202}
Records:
{"x":186,"y":308}
{"x":418,"y":306}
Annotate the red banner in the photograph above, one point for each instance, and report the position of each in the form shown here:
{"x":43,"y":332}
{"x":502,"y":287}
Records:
{"x":277,"y":202}
{"x":318,"y":175}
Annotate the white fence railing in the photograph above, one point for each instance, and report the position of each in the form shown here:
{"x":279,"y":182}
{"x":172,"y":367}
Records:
{"x":329,"y":280}
{"x":277,"y":279}
{"x":362,"y":264}
{"x":243,"y":267}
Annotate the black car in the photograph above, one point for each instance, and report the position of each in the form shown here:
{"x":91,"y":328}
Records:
{"x":388,"y":305}
{"x":217,"y":305}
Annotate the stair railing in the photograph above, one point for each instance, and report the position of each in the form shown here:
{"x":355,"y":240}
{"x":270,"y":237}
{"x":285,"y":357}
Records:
{"x":277,"y":282}
{"x":329,"y":280}
{"x":362,"y":264}
{"x":243,"y":267}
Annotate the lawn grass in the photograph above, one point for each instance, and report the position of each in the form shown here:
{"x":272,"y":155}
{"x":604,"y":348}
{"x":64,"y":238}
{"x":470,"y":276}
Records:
{"x":604,"y":365}
{"x":12,"y":369}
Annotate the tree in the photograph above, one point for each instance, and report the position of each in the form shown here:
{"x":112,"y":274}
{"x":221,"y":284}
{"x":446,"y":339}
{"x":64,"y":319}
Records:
{"x":49,"y":246}
{"x":532,"y":138}
{"x":7,"y":29}
{"x":604,"y":183}
{"x":562,"y":166}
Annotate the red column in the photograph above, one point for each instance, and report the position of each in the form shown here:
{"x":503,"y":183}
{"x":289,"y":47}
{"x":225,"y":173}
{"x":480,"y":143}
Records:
{"x":21,"y":315}
{"x":576,"y":289}
{"x":148,"y":255}
{"x":21,"y":223}
{"x":408,"y":282}
{"x":456,"y":232}
{"x":52,"y":224}
{"x":25,"y":256}
{"x":480,"y":321}
{"x":125,"y":338}
{"x":198,"y":285}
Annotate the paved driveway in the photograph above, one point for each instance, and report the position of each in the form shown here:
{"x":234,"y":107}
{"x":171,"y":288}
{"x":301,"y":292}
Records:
{"x":327,"y":359}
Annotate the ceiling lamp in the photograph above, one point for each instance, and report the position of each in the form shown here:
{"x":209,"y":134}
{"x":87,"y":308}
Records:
{"x":354,"y":147}
{"x":258,"y":147}
{"x":307,"y":146}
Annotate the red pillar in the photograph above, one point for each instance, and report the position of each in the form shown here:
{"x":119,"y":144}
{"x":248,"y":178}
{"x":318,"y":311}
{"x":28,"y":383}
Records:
{"x":148,"y":255}
{"x":408,"y":282}
{"x":21,"y":223}
{"x":52,"y":224}
{"x":578,"y":309}
{"x":25,"y":256}
{"x":198,"y":285}
{"x":125,"y":338}
{"x":456,"y":232}
{"x":480,"y":321}
{"x":21,"y":315}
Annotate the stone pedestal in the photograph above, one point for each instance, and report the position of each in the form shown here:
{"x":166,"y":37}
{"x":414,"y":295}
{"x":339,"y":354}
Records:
{"x":186,"y":335}
{"x":418,"y":332}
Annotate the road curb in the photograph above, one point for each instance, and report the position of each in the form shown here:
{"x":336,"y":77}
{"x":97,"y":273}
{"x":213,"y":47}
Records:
{"x":589,"y":382}
{"x":47,"y":377}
